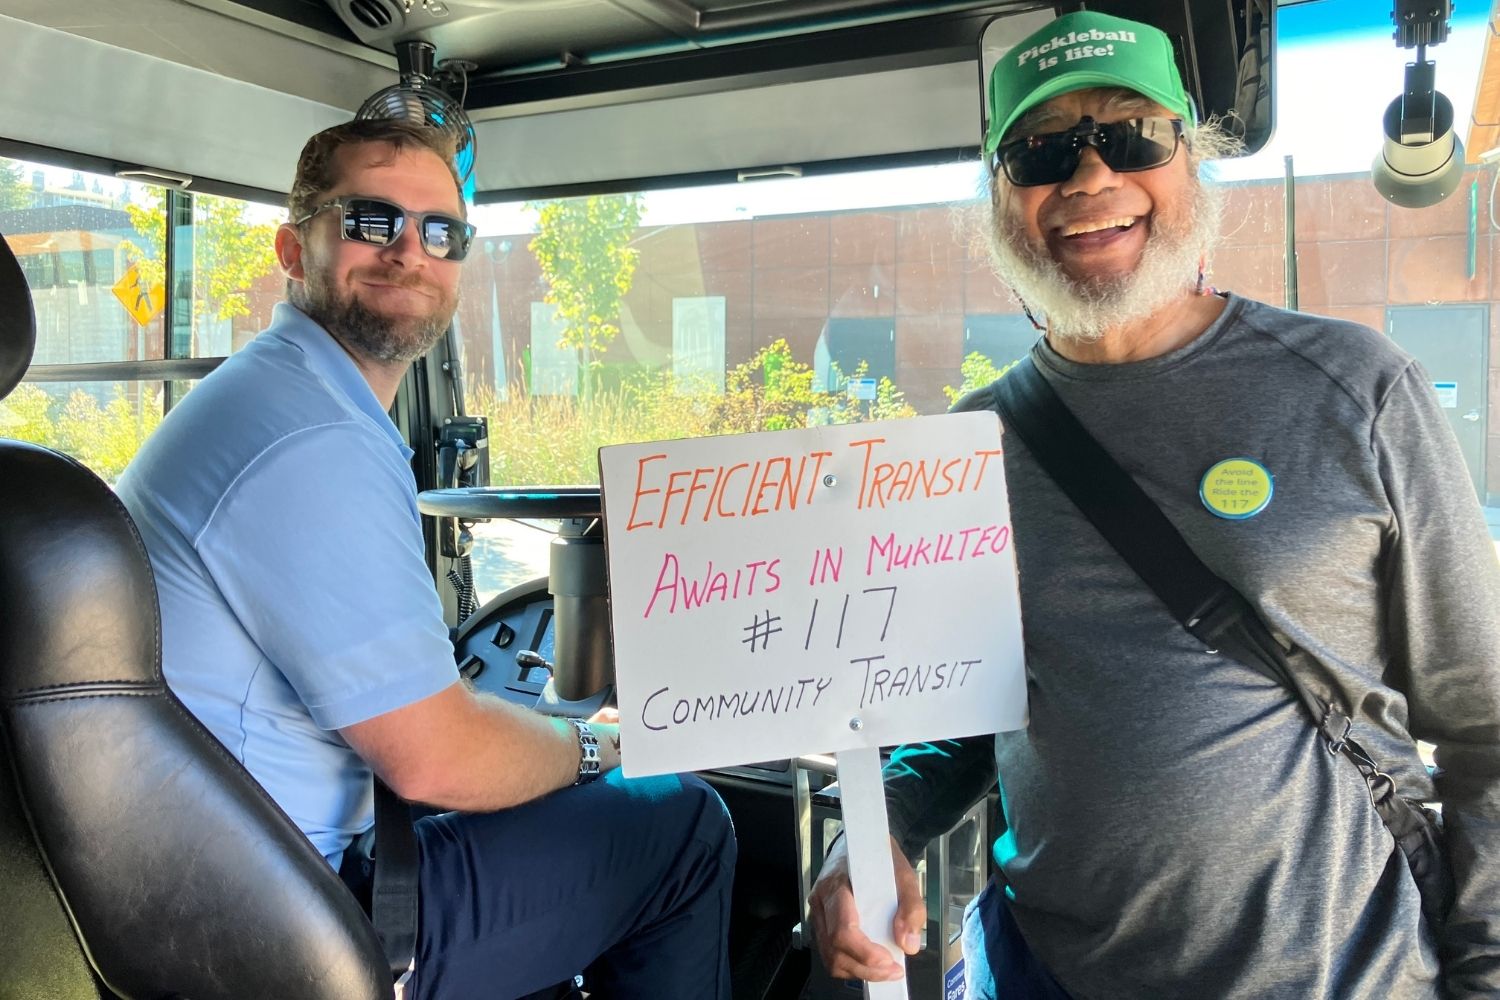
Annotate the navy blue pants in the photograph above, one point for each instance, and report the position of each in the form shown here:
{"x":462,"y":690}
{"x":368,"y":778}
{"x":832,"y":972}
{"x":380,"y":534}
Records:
{"x":998,"y":964}
{"x":626,"y":881}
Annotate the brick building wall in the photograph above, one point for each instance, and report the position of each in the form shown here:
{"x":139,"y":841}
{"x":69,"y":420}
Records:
{"x":922,"y":268}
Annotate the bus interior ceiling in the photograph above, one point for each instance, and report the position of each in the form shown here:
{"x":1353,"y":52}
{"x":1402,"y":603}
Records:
{"x":764,"y":84}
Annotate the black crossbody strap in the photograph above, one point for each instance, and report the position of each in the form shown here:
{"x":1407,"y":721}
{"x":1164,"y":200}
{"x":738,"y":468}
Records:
{"x":1151,"y":545}
{"x":393,"y":894}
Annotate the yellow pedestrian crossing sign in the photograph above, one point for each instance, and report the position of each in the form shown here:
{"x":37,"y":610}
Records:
{"x":144,"y":304}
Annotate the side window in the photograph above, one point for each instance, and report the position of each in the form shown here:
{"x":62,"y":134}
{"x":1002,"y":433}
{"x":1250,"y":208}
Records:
{"x":73,"y":235}
{"x":1305,"y":228}
{"x":235,"y":282}
{"x":553,"y":369}
{"x":119,"y":339}
{"x":40,"y":269}
{"x":698,"y":341}
{"x":101,"y":424}
{"x":855,"y":349}
{"x":1001,"y":338}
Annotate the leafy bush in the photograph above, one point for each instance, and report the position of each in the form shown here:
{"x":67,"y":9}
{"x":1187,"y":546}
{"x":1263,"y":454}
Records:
{"x":978,"y":371}
{"x":533,"y":439}
{"x":26,"y":415}
{"x":555,"y":439}
{"x":104,"y":438}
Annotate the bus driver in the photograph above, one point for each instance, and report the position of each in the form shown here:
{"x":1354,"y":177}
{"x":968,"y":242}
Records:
{"x":300,"y":623}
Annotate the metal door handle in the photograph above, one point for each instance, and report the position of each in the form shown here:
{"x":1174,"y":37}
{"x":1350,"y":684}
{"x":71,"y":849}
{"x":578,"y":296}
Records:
{"x":1472,"y":416}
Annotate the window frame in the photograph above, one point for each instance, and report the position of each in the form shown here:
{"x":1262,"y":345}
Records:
{"x":178,"y":365}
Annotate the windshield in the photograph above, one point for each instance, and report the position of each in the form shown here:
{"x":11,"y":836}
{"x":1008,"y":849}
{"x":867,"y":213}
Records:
{"x":788,"y":302}
{"x":771,"y":303}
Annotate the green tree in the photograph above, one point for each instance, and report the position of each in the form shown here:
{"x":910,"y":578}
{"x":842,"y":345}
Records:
{"x":889,"y":402}
{"x":978,"y":371}
{"x":104,"y":438}
{"x":15,"y":192}
{"x":583,"y":247}
{"x":229,"y":251}
{"x":25,"y":415}
{"x":773,"y":391}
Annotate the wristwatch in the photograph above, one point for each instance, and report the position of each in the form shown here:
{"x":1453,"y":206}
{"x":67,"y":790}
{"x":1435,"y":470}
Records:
{"x":588,"y":752}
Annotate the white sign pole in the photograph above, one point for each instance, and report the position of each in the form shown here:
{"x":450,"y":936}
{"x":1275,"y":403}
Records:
{"x":862,"y":799}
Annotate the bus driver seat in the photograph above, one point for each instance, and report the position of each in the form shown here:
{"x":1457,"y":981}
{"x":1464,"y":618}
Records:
{"x":137,"y":858}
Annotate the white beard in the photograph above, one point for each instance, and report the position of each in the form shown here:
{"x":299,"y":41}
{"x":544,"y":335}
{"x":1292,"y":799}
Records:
{"x":1083,"y":310}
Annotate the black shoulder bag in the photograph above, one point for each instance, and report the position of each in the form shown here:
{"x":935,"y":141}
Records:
{"x":1213,"y":611}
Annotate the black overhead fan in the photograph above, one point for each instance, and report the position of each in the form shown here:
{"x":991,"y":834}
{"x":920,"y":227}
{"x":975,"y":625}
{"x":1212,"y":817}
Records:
{"x":423,"y":98}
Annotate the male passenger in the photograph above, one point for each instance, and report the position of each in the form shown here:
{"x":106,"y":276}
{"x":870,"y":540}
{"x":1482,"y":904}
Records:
{"x":299,"y":621}
{"x":1175,"y":826}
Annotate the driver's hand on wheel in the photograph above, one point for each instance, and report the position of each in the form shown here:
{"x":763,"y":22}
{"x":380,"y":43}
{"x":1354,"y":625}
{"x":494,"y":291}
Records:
{"x":848,"y":953}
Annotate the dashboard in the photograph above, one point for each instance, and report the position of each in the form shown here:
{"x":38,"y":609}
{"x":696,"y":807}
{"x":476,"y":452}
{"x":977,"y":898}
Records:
{"x":504,"y":648}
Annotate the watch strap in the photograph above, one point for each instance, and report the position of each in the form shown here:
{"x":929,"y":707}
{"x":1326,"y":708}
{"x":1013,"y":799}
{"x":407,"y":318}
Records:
{"x":588,"y":752}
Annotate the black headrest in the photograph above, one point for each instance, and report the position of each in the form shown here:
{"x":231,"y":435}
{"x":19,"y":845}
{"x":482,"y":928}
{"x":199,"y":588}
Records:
{"x":97,"y":599}
{"x":17,"y":321}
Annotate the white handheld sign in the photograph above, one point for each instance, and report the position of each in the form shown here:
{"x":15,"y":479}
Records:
{"x":808,"y":591}
{"x":832,"y":589}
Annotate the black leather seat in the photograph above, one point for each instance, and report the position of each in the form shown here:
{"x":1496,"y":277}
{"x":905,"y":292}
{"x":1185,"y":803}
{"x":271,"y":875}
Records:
{"x":137,"y":858}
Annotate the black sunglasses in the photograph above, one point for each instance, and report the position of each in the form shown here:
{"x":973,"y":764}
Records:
{"x":371,"y":220}
{"x":1124,"y":146}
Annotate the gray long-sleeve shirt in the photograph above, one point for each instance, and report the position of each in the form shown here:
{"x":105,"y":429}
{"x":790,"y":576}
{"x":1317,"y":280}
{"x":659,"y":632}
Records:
{"x":1175,"y":827}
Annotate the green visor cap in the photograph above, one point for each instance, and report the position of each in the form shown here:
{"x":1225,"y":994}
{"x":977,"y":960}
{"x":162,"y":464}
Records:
{"x":1080,"y":50}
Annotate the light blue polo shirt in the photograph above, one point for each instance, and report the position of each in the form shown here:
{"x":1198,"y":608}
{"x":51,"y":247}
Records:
{"x":279,"y":509}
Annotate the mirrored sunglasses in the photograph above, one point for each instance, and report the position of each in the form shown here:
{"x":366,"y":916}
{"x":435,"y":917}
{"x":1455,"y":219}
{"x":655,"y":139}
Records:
{"x":1124,"y":146}
{"x":380,"y":223}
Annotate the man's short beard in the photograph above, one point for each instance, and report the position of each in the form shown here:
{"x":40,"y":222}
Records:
{"x":371,"y":335}
{"x":1083,"y":310}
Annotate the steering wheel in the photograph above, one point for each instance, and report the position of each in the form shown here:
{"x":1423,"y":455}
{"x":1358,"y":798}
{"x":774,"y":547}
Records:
{"x":483,"y":503}
{"x":583,"y":663}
